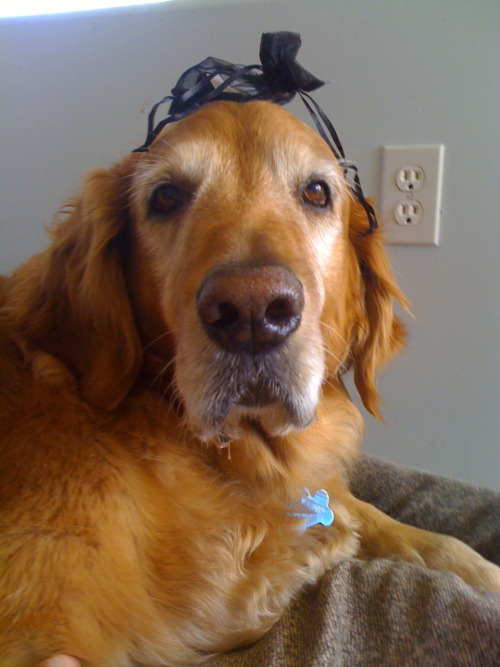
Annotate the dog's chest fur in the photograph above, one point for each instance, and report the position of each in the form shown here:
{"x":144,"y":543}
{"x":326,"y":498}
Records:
{"x":187,"y":533}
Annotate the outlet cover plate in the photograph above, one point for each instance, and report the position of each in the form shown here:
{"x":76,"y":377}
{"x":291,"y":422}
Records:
{"x":430,"y":160}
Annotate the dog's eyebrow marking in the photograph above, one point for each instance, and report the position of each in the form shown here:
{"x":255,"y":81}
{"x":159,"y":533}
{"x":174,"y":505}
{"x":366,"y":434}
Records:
{"x":329,"y":171}
{"x":189,"y":163}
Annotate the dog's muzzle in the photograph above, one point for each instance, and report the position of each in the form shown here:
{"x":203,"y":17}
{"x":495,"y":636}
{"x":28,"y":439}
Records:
{"x":254,"y":365}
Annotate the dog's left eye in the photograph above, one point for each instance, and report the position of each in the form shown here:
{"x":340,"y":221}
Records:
{"x":316,"y":194}
{"x":166,"y":199}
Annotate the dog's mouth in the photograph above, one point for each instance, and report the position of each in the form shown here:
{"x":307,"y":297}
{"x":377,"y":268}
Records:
{"x":275,"y":390}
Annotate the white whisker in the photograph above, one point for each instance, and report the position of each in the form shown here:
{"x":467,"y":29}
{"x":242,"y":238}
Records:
{"x":334,"y":332}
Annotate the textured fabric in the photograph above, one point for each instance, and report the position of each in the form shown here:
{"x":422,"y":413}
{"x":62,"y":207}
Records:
{"x":387,"y":613}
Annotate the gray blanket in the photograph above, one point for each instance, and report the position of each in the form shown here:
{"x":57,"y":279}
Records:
{"x":385,"y":613}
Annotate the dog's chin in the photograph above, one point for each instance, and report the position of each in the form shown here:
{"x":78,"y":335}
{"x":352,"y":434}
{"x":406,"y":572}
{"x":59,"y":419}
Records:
{"x":258,"y":394}
{"x":278,"y":391}
{"x":275,"y":417}
{"x":273,"y":420}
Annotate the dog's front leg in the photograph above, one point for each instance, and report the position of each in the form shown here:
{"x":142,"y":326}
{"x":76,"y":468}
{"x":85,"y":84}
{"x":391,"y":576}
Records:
{"x":383,"y":537}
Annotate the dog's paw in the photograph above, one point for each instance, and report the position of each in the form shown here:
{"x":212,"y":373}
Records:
{"x":382,"y":536}
{"x":448,"y":553}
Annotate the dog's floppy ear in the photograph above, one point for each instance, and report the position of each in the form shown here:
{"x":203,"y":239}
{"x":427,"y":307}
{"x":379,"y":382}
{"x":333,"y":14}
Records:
{"x":380,"y":333}
{"x":71,"y":301}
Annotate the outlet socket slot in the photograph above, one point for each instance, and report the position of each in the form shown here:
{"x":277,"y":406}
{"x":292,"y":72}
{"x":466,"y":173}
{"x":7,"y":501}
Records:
{"x":410,"y":179}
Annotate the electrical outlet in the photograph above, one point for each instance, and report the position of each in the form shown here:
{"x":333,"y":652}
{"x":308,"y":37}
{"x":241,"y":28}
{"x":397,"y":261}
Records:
{"x":410,"y":202}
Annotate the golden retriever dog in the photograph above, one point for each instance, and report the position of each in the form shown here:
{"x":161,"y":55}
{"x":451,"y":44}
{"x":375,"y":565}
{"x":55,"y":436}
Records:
{"x":171,"y":385}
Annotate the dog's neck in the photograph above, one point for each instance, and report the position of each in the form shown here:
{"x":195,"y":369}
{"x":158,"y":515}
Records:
{"x":300,"y":458}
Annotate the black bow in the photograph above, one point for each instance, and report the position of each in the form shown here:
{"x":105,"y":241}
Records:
{"x":278,"y":79}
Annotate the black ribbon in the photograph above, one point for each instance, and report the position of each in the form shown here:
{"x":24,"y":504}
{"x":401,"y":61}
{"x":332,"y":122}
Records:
{"x":278,"y":79}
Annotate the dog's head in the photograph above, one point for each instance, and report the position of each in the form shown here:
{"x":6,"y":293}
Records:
{"x":232,"y":256}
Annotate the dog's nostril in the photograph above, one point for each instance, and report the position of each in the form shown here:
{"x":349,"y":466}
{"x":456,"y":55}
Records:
{"x":228,"y":315}
{"x":218,"y":315}
{"x":281,"y":310}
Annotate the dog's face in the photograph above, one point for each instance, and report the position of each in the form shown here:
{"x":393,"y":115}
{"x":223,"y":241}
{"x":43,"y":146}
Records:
{"x":231,"y":258}
{"x":242,"y":250}
{"x":239,"y":213}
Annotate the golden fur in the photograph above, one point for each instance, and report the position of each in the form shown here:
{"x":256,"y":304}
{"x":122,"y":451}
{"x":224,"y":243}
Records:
{"x":143,"y":519}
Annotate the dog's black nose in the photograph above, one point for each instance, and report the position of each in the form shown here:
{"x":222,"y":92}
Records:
{"x":250,"y":308}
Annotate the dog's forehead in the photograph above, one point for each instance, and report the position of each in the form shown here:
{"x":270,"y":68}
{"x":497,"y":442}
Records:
{"x":237,"y":131}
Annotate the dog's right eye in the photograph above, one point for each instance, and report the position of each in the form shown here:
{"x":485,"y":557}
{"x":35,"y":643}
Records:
{"x":317,"y":194}
{"x":166,"y":199}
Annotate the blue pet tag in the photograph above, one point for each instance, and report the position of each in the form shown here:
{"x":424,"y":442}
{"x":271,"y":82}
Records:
{"x":318,"y":510}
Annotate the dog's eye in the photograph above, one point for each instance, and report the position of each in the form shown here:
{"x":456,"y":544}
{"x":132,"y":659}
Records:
{"x":166,"y":199}
{"x":316,"y":194}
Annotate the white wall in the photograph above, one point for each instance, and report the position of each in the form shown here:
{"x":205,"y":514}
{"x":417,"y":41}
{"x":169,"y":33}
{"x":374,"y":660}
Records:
{"x":74,"y":92}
